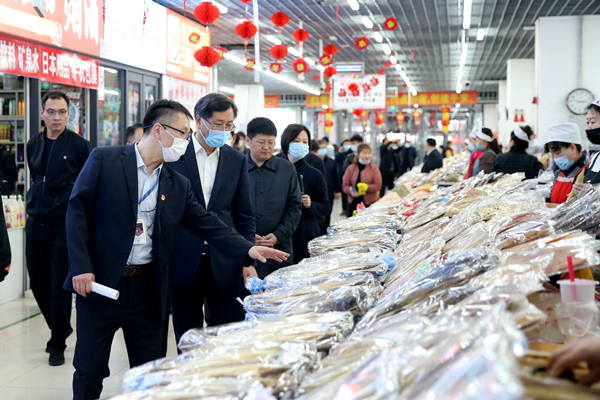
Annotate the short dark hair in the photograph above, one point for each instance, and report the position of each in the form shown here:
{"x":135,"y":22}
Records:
{"x":360,"y":149}
{"x":261,"y":125}
{"x":240,"y":134}
{"x":344,"y":141}
{"x":322,"y":141}
{"x":493,"y":145}
{"x":521,"y":144}
{"x":207,"y":105}
{"x":594,"y":107}
{"x":55,"y":95}
{"x":130,"y":132}
{"x":163,"y":110}
{"x":431,"y":142}
{"x":356,"y":138}
{"x":314,"y":146}
{"x":564,"y":145}
{"x":326,"y":138}
{"x":290,"y":133}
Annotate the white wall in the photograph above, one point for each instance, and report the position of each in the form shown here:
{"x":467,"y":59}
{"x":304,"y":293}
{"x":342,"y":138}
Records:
{"x":558,"y":59}
{"x":520,"y":78}
{"x":503,"y":125}
{"x":250,"y":100}
{"x":490,"y":117}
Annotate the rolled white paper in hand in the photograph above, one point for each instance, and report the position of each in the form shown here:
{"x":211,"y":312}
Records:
{"x":105,"y":291}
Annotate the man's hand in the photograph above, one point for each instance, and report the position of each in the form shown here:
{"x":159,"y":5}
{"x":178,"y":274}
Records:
{"x":82,"y":284}
{"x":267,"y":241}
{"x":248,"y":272}
{"x":262,"y":253}
{"x":336,"y":196}
{"x":306,"y":202}
{"x":572,"y":354}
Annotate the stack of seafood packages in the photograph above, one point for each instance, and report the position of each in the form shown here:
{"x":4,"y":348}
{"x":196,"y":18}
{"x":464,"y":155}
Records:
{"x":409,"y":299}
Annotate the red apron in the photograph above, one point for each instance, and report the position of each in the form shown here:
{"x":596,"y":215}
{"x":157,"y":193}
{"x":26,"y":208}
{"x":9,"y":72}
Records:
{"x":563,"y":186}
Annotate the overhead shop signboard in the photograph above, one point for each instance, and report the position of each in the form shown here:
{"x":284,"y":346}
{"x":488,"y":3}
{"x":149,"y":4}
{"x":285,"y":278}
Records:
{"x":74,"y":25}
{"x":130,"y":41}
{"x":271,"y":100}
{"x":180,"y":49}
{"x":317,"y":101}
{"x":359,"y":91}
{"x":187,"y":93}
{"x":433,"y":99}
{"x":41,"y":62}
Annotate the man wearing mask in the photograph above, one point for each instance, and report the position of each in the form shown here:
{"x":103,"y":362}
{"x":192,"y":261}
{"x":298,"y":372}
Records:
{"x":409,"y":156}
{"x":274,"y":191}
{"x":355,"y":141}
{"x":124,"y":214}
{"x":55,"y":157}
{"x":388,"y":165}
{"x":219,"y":178}
{"x":334,"y":183}
{"x":433,"y":159}
{"x":592,"y":174}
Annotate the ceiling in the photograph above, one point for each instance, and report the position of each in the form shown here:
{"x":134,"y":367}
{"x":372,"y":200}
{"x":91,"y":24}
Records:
{"x":427,"y":41}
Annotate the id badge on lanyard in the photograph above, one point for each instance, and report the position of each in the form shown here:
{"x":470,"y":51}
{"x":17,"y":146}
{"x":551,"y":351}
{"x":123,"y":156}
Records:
{"x":140,"y":232}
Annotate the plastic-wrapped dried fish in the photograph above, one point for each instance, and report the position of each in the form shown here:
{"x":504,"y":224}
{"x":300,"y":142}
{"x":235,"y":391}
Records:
{"x":385,"y":238}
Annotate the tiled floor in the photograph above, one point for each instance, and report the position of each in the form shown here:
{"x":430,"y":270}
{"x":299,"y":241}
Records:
{"x":24,"y":370}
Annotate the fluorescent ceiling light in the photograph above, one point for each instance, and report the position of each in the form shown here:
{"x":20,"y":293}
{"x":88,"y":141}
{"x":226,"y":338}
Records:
{"x":458,"y":87}
{"x":353,"y":4}
{"x":403,"y":74}
{"x":321,"y":68}
{"x":415,"y":105}
{"x":294,"y":51}
{"x":393,"y":60}
{"x":413,"y":91}
{"x":406,"y":80}
{"x":273,"y":39}
{"x":378,"y":37}
{"x":221,"y":7}
{"x":399,"y":68}
{"x":110,"y":70}
{"x":386,"y":49}
{"x":293,"y":83}
{"x":457,"y":105}
{"x":367,"y":22}
{"x":258,"y":68}
{"x":468,"y":5}
{"x":480,"y":34}
{"x":235,"y":59}
{"x":309,"y":61}
{"x":225,"y":89}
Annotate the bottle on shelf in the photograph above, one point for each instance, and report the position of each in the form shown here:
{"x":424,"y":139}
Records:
{"x":21,"y":210}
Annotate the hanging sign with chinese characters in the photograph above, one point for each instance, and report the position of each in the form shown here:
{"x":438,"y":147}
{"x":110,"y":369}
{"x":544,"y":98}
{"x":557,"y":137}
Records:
{"x":28,"y":59}
{"x":359,"y":91}
{"x":433,"y":99}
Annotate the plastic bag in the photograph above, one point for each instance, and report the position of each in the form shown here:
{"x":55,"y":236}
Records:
{"x":382,"y":238}
{"x":578,"y":319}
{"x":526,"y":232}
{"x":583,"y":212}
{"x":546,"y":176}
{"x":325,"y":329}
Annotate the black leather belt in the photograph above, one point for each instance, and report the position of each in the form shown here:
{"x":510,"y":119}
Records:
{"x":131,"y":270}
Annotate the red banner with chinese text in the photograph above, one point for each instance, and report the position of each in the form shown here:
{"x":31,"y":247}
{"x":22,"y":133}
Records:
{"x":317,"y":101}
{"x":433,"y":99}
{"x":271,"y":100}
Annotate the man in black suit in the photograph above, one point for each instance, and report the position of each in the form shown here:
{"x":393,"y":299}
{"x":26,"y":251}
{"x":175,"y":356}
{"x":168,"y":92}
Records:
{"x":5,"y":255}
{"x":334,"y":185}
{"x":124,"y":213}
{"x":433,"y":159}
{"x":219,"y":178}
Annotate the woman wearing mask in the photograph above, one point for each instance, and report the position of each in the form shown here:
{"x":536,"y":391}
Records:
{"x":517,"y":159}
{"x":475,"y":154}
{"x":592,"y":174}
{"x":488,"y":145}
{"x":362,"y":180}
{"x":238,"y":141}
{"x":295,"y":144}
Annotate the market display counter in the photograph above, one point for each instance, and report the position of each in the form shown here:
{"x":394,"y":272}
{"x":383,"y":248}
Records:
{"x":13,"y":285}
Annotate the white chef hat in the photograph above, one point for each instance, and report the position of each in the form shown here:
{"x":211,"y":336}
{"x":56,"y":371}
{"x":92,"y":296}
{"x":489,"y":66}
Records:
{"x":596,"y":102}
{"x":473,"y":134}
{"x":483,"y":136}
{"x":520,"y":133}
{"x":566,"y":133}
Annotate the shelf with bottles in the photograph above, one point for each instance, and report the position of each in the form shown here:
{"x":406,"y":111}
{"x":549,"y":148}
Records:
{"x":14,"y":211}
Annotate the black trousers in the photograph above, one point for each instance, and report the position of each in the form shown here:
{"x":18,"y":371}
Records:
{"x":187,"y":301}
{"x":48,"y":266}
{"x":135,"y":311}
{"x":387,"y":183}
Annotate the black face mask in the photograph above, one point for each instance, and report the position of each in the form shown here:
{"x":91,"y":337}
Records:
{"x":593,"y":135}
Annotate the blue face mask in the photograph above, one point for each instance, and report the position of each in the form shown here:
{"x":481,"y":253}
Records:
{"x":216,"y":138}
{"x":364,"y":162}
{"x":347,"y":147}
{"x":407,"y":146}
{"x":298,"y":150}
{"x":322,"y":152}
{"x":479,"y":146}
{"x":354,"y":147}
{"x":471,"y":147}
{"x":563,"y":163}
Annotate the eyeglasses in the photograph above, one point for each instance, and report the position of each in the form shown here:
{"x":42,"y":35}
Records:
{"x":262,"y":143}
{"x":184,"y":135}
{"x":52,"y":113}
{"x":221,"y":127}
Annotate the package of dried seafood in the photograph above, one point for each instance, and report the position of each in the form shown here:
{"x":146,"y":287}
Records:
{"x":382,"y":238}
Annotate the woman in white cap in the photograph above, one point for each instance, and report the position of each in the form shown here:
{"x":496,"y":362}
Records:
{"x":592,"y":174}
{"x":487,"y":143}
{"x":564,"y":142}
{"x":517,"y":159}
{"x":475,"y":154}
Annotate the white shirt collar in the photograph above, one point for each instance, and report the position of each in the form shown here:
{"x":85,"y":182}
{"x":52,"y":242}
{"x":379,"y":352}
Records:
{"x":140,"y":161}
{"x":429,"y":152}
{"x":198,"y":147}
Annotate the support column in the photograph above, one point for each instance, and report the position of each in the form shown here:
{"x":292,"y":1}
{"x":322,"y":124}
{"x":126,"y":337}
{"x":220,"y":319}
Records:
{"x":250,"y":100}
{"x":503,"y":123}
{"x":520,"y":81}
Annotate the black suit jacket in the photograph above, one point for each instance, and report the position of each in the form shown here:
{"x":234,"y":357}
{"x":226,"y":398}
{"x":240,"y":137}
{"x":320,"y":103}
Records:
{"x":230,"y":200}
{"x":102,"y":214}
{"x":432,"y":161}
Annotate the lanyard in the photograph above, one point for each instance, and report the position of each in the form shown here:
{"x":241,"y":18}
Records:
{"x":151,"y":190}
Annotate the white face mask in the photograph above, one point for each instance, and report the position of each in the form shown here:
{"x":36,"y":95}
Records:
{"x":177,"y":149}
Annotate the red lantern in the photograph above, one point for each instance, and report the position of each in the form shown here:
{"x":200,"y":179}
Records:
{"x":207,"y":13}
{"x":300,"y":66}
{"x":365,"y":114}
{"x":357,"y":112}
{"x":207,"y":56}
{"x":445,"y":122}
{"x":194,"y":38}
{"x":280,"y":19}
{"x":275,"y":68}
{"x":221,"y":52}
{"x":416,"y":115}
{"x":328,"y":123}
{"x":445,"y":109}
{"x":300,"y":35}
{"x":353,"y":87}
{"x":315,"y":78}
{"x":387,"y":64}
{"x":390,"y":24}
{"x":378,"y":121}
{"x":246,"y":30}
{"x":400,"y":118}
{"x":279,"y":51}
{"x":330,"y":49}
{"x":246,"y":1}
{"x":329,"y":110}
{"x":250,"y":62}
{"x":327,"y":89}
{"x":381,"y":72}
{"x":329,"y":72}
{"x":362,"y":43}
{"x":326,"y":60}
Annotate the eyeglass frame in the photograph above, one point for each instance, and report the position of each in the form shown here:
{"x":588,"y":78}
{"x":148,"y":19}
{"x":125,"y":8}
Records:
{"x":53,"y":112}
{"x":264,"y":144}
{"x":189,"y":135}
{"x":222,"y":128}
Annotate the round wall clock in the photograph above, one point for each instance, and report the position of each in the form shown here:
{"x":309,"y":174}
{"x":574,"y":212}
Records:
{"x":579,"y":100}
